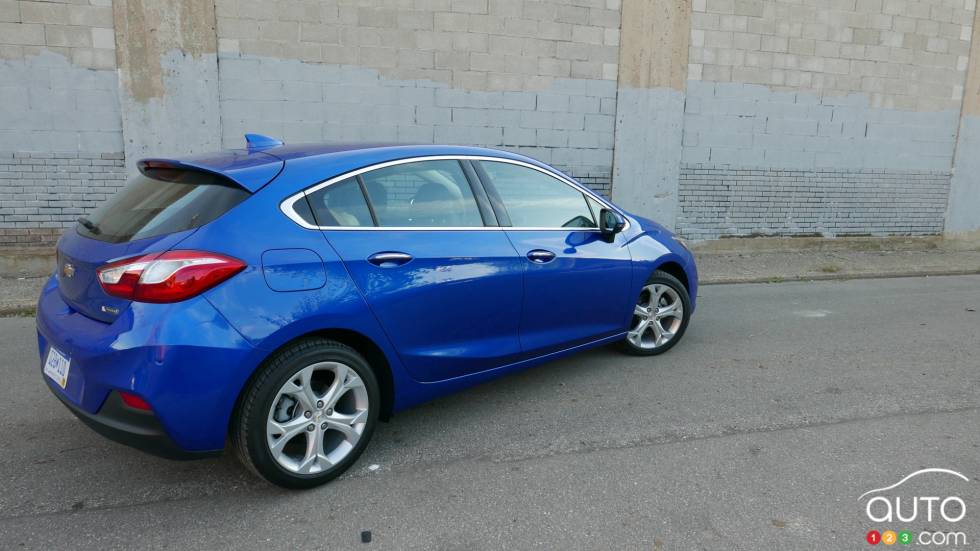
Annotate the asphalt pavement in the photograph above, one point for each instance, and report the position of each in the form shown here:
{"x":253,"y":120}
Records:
{"x":784,"y":403}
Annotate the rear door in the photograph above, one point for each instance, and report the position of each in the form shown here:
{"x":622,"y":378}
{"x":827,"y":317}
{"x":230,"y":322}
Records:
{"x":155,"y":211}
{"x":576,"y":285}
{"x":421,"y":243}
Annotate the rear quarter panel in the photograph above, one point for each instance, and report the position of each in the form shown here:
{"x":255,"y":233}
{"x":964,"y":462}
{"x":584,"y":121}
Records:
{"x":267,"y":318}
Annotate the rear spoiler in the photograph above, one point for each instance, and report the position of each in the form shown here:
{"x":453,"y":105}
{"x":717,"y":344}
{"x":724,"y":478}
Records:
{"x":249,"y":169}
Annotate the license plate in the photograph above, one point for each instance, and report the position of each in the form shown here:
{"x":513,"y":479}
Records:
{"x":56,"y":367}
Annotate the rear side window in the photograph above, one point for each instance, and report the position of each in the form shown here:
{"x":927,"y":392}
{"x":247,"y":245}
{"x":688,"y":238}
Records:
{"x":535,"y":200}
{"x":433,"y":194}
{"x":159,"y":202}
{"x":341,"y":204}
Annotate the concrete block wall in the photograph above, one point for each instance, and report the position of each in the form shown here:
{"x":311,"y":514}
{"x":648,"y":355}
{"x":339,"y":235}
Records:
{"x":843,"y":88}
{"x":42,"y":193}
{"x":962,"y":218}
{"x":741,"y":202}
{"x":57,"y":77}
{"x":81,"y":31}
{"x":650,"y":106}
{"x":49,"y":104}
{"x":901,"y":54}
{"x":168,"y":77}
{"x":60,"y":130}
{"x":570,"y":124}
{"x":715,"y":117}
{"x":469,"y":44}
{"x":752,"y":125}
{"x":536,"y":77}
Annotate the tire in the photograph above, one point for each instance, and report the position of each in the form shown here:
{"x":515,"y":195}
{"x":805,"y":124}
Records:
{"x":300,"y":387}
{"x":648,"y":342}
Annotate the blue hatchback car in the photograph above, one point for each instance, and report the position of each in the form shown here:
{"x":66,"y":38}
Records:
{"x":290,"y":297}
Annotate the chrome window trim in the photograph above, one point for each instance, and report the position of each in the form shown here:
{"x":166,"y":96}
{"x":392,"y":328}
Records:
{"x":286,"y":206}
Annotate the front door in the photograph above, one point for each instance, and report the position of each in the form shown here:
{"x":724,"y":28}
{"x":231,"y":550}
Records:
{"x":446,"y":288}
{"x":576,"y":285}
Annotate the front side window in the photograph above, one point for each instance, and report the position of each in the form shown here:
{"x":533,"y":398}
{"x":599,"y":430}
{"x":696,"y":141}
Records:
{"x":432,"y":194}
{"x":535,"y":200}
{"x":596,"y":207}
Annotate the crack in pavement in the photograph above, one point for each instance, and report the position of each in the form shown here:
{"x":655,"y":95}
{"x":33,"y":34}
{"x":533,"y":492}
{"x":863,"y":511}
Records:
{"x":662,"y":440}
{"x":654,"y":441}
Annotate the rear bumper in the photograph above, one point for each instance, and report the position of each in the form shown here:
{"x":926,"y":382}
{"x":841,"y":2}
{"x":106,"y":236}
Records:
{"x":129,"y":427}
{"x":184,"y":359}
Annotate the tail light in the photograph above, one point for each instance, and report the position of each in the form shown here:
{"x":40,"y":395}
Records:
{"x":168,"y":277}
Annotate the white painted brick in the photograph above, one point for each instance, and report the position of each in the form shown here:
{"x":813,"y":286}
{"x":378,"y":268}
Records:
{"x":518,"y":100}
{"x":610,"y":71}
{"x":611,"y":37}
{"x":694,"y":71}
{"x":584,"y":104}
{"x":599,"y":123}
{"x":516,"y":136}
{"x":937,"y":45}
{"x":718,"y":39}
{"x":517,"y":39}
{"x":568,"y":121}
{"x":552,"y":102}
{"x":433,"y":115}
{"x":587,"y":35}
{"x":697,"y":38}
{"x":807,"y":201}
{"x":103,"y":38}
{"x":913,"y":45}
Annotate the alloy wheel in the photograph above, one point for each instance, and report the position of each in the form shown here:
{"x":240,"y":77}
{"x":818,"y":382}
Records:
{"x":317,"y":418}
{"x":657,"y":317}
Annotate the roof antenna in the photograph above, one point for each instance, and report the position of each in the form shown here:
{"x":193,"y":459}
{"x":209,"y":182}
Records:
{"x":258,"y":142}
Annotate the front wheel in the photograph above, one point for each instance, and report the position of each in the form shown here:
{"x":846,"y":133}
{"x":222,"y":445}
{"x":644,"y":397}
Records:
{"x":308,"y":414}
{"x":660,"y":316}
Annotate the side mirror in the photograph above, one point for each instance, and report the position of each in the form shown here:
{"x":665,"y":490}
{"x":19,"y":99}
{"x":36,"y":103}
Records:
{"x":610,"y":223}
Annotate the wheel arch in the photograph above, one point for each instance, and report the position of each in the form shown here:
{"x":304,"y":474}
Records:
{"x":675,"y":269}
{"x":376,"y":358}
{"x":363,"y":344}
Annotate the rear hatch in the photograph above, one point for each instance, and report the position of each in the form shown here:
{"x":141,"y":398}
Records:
{"x":154,"y":212}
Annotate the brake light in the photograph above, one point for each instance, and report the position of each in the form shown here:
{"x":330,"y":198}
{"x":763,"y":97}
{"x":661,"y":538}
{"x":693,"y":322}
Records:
{"x":168,"y":277}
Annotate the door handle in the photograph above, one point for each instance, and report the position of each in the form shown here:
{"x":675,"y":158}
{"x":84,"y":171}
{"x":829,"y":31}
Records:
{"x":389,"y":259}
{"x":540,"y":256}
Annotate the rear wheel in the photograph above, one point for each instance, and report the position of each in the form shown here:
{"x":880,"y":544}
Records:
{"x":660,"y":316}
{"x":308,"y":415}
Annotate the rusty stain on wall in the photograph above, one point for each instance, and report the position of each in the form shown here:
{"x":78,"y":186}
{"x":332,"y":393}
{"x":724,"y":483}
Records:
{"x":971,"y":90}
{"x":146,"y":29}
{"x":196,"y":27}
{"x":654,"y":43}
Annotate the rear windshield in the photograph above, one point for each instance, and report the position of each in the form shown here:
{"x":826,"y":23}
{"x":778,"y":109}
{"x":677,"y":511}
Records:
{"x":159,"y":202}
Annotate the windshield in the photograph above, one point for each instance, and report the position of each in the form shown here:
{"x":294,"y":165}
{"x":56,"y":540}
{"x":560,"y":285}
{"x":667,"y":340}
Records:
{"x":161,"y":201}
